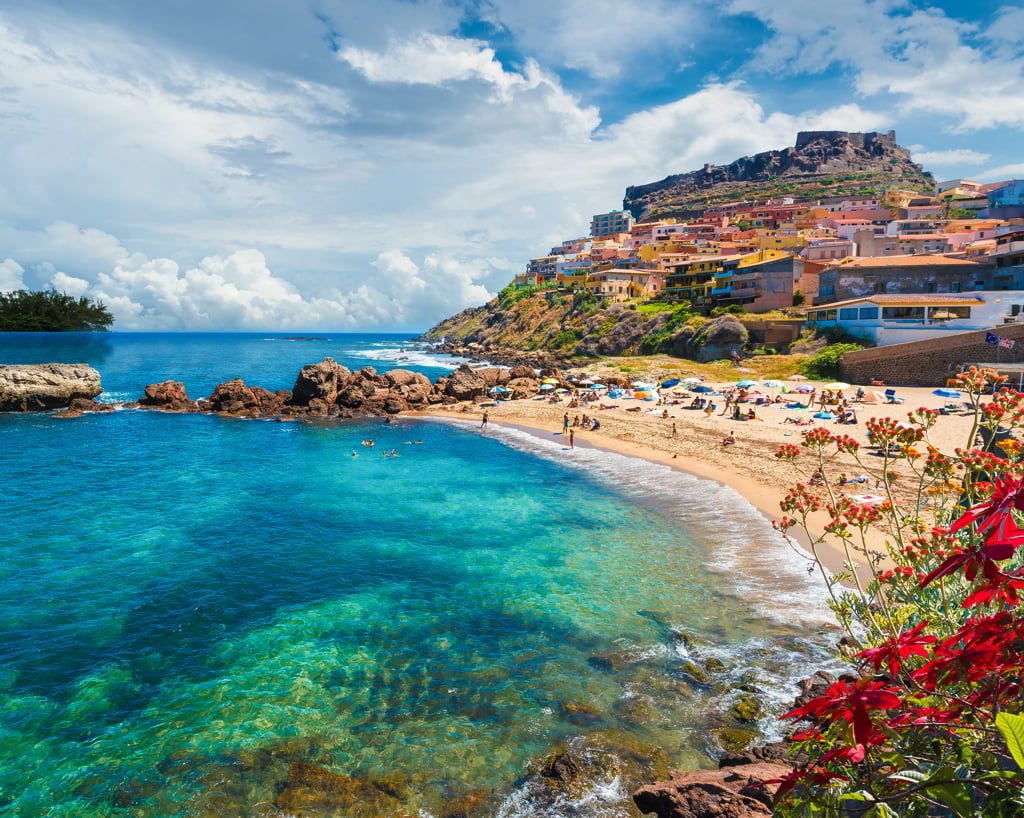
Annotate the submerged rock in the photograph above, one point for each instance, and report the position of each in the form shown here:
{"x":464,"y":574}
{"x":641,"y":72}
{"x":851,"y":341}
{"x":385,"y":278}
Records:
{"x":310,"y":791}
{"x":735,"y":739}
{"x":39,"y":387}
{"x":746,"y":708}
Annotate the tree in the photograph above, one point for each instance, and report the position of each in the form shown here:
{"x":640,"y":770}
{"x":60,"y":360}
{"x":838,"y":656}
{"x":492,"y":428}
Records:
{"x":50,"y":311}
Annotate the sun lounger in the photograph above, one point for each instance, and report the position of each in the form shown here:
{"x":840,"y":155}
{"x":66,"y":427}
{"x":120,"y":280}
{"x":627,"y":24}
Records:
{"x":890,"y":396}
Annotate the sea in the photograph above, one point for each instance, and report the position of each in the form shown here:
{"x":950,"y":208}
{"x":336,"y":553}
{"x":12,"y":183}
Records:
{"x":199,"y":615}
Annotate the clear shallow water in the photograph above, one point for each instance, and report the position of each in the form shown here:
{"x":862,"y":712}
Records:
{"x":189,"y":604}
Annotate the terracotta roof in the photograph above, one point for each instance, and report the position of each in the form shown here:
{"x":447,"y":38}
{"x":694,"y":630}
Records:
{"x":918,"y":260}
{"x":905,"y":301}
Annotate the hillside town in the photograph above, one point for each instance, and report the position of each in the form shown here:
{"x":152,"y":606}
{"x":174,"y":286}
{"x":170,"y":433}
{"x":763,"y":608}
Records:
{"x":889,"y":268}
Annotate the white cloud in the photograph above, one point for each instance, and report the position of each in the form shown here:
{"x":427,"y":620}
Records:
{"x":932,"y":62}
{"x":10,"y":276}
{"x":71,"y":285}
{"x":1003,"y":172}
{"x":601,"y":37}
{"x":952,"y":157}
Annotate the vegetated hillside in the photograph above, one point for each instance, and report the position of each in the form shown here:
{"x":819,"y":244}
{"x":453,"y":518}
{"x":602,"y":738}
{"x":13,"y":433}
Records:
{"x":820,"y":165}
{"x":567,"y":327}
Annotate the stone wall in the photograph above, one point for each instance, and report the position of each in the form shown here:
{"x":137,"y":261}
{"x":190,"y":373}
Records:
{"x":931,"y":362}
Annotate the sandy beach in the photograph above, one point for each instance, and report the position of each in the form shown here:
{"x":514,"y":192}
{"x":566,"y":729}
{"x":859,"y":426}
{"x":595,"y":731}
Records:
{"x":750,"y":466}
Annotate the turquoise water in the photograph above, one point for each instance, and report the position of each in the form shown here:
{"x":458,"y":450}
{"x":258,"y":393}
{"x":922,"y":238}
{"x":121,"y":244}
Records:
{"x":189,"y":605}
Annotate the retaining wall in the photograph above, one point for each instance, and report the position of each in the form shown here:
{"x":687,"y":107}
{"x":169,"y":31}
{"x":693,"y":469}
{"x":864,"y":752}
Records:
{"x":930,"y":362}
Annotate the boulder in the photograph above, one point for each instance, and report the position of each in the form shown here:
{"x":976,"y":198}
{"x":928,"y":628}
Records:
{"x":321,"y":381}
{"x":465,"y":384}
{"x":522,"y":372}
{"x":89,"y":405}
{"x":270,"y":403}
{"x":732,"y":792}
{"x":812,"y":687}
{"x":404,"y":377}
{"x":720,"y":337}
{"x":170,"y":396}
{"x":233,"y":397}
{"x":38,"y":387}
{"x":310,"y":790}
{"x":523,"y":387}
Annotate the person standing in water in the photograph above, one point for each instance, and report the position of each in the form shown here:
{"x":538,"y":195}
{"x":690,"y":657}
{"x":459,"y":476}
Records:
{"x":572,"y":439}
{"x":565,"y":423}
{"x":483,"y":420}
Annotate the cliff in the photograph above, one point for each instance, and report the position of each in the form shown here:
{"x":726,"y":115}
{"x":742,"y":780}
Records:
{"x":565,"y":327}
{"x":820,"y":164}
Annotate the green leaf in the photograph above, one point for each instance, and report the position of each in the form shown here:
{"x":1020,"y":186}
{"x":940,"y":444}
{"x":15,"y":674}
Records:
{"x":955,"y":796}
{"x":1012,"y":728}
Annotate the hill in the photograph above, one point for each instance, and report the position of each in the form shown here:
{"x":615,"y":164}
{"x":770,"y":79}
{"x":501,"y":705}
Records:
{"x":562,"y":326}
{"x":821,"y":164}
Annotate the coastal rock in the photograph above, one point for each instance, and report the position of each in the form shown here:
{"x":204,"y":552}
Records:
{"x":320,"y":381}
{"x":405,"y":377}
{"x":233,"y":397}
{"x":465,"y":384}
{"x":812,"y":687}
{"x":38,"y":387}
{"x":746,"y":708}
{"x":521,"y":371}
{"x":520,"y":388}
{"x":171,"y":396}
{"x":733,"y":792}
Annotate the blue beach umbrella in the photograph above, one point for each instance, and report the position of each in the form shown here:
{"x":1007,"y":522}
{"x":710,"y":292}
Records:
{"x":746,"y":383}
{"x":946,"y":393}
{"x":497,"y":389}
{"x":598,"y":386}
{"x":544,"y":387}
{"x":704,"y":390}
{"x":670,"y":383}
{"x":772,"y":384}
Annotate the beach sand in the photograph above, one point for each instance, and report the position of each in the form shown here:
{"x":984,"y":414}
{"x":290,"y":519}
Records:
{"x":750,"y":466}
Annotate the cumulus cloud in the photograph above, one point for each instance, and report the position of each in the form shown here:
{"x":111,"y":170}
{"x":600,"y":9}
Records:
{"x":240,"y":291}
{"x":10,"y":276}
{"x":932,"y":62}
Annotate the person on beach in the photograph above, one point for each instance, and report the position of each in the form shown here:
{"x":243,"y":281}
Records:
{"x":483,"y":420}
{"x":675,"y":432}
{"x":572,"y":439}
{"x":709,"y":410}
{"x":565,"y":423}
{"x":730,"y":440}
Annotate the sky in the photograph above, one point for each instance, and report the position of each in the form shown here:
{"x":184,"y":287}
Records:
{"x":337,"y":165}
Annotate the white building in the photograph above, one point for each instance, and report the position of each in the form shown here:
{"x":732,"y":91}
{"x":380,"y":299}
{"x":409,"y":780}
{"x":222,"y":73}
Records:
{"x":898,"y":319}
{"x":608,"y":224}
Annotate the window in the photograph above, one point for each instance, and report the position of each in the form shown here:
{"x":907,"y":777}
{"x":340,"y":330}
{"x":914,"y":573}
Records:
{"x":902,"y":313}
{"x":848,"y":314}
{"x":930,"y":287}
{"x":1015,"y":309}
{"x":948,"y":313}
{"x":955,"y":287}
{"x":827,"y":289}
{"x":868,"y":313}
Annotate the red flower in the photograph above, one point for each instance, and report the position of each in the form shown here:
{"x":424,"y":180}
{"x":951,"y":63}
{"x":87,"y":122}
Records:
{"x":791,"y":779}
{"x":893,"y":652}
{"x":850,"y":702}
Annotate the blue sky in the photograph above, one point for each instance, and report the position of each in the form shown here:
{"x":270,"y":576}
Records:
{"x":326,"y":164}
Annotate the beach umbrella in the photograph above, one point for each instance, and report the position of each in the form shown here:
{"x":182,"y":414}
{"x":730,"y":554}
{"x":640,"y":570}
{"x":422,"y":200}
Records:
{"x":497,"y":389}
{"x":746,"y":383}
{"x":598,"y":386}
{"x":772,"y":384}
{"x":946,"y":393}
{"x":642,"y":385}
{"x":551,"y":381}
{"x":670,"y":383}
{"x":693,"y":380}
{"x":703,"y":390}
{"x":804,"y":388}
{"x":837,"y":385}
{"x":562,"y":389}
{"x":586,"y":382}
{"x":546,"y":386}
{"x":796,"y":378}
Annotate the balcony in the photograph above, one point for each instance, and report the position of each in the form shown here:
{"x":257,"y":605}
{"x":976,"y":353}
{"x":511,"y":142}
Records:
{"x":721,"y":290}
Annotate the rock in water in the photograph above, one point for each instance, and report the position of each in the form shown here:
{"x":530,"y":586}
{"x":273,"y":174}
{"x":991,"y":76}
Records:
{"x":733,"y":792}
{"x":38,"y":387}
{"x":320,"y":381}
{"x":168,"y":395}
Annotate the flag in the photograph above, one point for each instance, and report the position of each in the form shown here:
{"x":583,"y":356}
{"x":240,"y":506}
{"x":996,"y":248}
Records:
{"x":1006,"y":343}
{"x":991,"y":338}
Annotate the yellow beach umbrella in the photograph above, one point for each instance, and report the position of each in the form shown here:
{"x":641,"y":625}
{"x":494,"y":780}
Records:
{"x":550,"y":380}
{"x":837,"y":385}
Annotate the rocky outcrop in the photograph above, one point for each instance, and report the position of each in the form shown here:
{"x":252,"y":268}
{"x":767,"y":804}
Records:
{"x":320,"y":381}
{"x":730,"y":792}
{"x":719,"y":338}
{"x":170,"y":396}
{"x":39,"y":387}
{"x":836,"y":162}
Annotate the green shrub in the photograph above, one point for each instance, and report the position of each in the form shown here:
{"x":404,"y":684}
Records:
{"x":825,"y":364}
{"x":732,"y":309}
{"x":798,"y":298}
{"x":565,"y":338}
{"x":512,"y":294}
